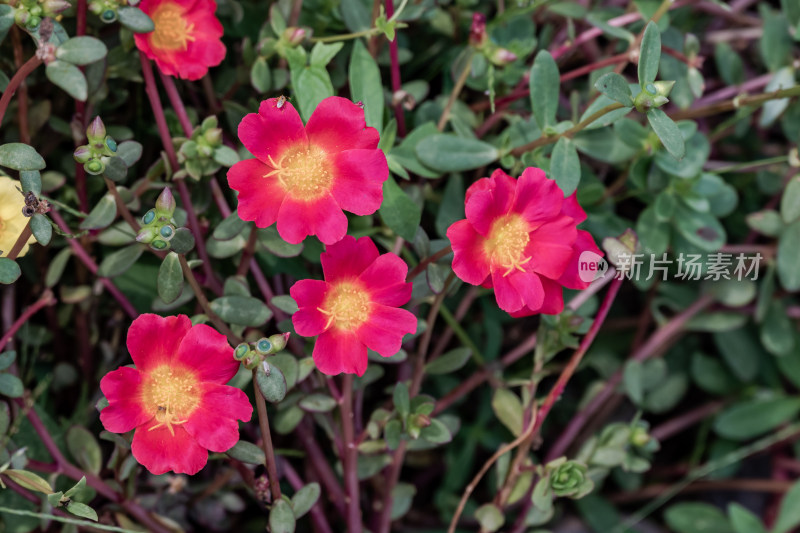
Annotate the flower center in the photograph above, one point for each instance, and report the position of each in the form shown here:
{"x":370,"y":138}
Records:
{"x":303,"y":172}
{"x":171,"y":395}
{"x":347,"y":306}
{"x":173,"y":31}
{"x":505,"y":246}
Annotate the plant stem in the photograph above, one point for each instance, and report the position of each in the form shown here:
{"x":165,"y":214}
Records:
{"x":121,"y":207}
{"x":15,"y":82}
{"x":346,"y":36}
{"x":736,"y":103}
{"x":420,"y":268}
{"x":462,"y":79}
{"x":399,"y":114}
{"x":177,"y":103}
{"x":748,"y":165}
{"x":204,"y":303}
{"x":266,"y":442}
{"x":44,"y":300}
{"x":316,"y":512}
{"x":350,"y":459}
{"x":21,"y":241}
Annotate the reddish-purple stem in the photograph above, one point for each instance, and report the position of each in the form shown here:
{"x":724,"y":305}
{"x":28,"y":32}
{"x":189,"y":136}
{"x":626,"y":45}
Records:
{"x":395,"y":72}
{"x":44,"y":300}
{"x":24,"y":71}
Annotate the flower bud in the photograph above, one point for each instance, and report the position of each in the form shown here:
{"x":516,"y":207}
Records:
{"x":501,"y":57}
{"x":94,"y":167}
{"x":241,"y":351}
{"x":209,"y":123}
{"x":422,"y":420}
{"x":263,"y":346}
{"x":477,"y":32}
{"x":33,"y":22}
{"x":165,"y":204}
{"x":82,"y":154}
{"x":166,"y":232}
{"x":571,"y":479}
{"x":251,"y":362}
{"x":96,"y":132}
{"x":639,"y":437}
{"x":21,"y":16}
{"x":279,"y":341}
{"x":158,"y":244}
{"x":663,"y":88}
{"x":109,"y":16}
{"x":111,"y":144}
{"x":36,"y":11}
{"x":293,"y":35}
{"x":54,"y":7}
{"x":146,"y":235}
{"x":213,"y":136}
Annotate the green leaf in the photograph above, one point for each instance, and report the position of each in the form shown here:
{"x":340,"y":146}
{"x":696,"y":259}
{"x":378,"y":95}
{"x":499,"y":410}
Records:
{"x":130,"y":152}
{"x":20,"y":156}
{"x":135,"y":20}
{"x":777,"y":330}
{"x":82,"y":510}
{"x":225,"y":156}
{"x":285,"y":303}
{"x":6,"y":359}
{"x":776,"y":43}
{"x":242,"y":310}
{"x":82,"y":50}
{"x":323,"y":53}
{"x":741,"y":352}
{"x":229,"y":228}
{"x":11,"y":386}
{"x":83,"y":447}
{"x":398,"y":211}
{"x":305,"y":498}
{"x":402,"y":403}
{"x":317,"y":403}
{"x":452,"y":207}
{"x":544,"y":85}
{"x":116,"y":170}
{"x":449,"y":362}
{"x":120,"y":261}
{"x":170,"y":278}
{"x":260,"y":75}
{"x":692,"y":517}
{"x":68,"y":77}
{"x":182,"y":241}
{"x":448,"y":153}
{"x":615,"y":87}
{"x":31,"y":181}
{"x":667,"y":131}
{"x":365,"y":81}
{"x":436,"y":433}
{"x":490,"y":517}
{"x":6,"y":21}
{"x":508,"y":408}
{"x":311,"y":86}
{"x":271,"y":382}
{"x":789,"y":257}
{"x":744,"y":521}
{"x":767,"y":222}
{"x":402,"y":497}
{"x":700,"y":229}
{"x":755,"y":417}
{"x":247,"y":452}
{"x":41,"y":228}
{"x":789,"y":513}
{"x":790,"y":201}
{"x":649,"y":54}
{"x":565,"y":167}
{"x":632,"y":381}
{"x":29,"y":480}
{"x":102,"y":214}
{"x":729,"y":64}
{"x":357,"y":16}
{"x":281,"y":517}
{"x":9,"y":270}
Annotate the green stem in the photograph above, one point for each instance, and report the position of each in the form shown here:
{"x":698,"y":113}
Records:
{"x":462,"y":79}
{"x":750,"y":164}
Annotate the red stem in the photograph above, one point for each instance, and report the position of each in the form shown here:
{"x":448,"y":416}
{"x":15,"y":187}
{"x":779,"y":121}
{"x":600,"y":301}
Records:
{"x":395,"y":72}
{"x":24,"y":71}
{"x":177,"y":103}
{"x":44,"y":300}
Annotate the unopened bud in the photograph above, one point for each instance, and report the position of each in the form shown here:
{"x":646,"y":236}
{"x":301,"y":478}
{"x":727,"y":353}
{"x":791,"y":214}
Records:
{"x":165,"y":204}
{"x":213,"y":136}
{"x":54,"y":7}
{"x":279,"y":341}
{"x":94,"y":167}
{"x":293,"y":35}
{"x":146,"y":235}
{"x":111,"y":144}
{"x":82,"y":154}
{"x":264,"y":346}
{"x":663,"y":88}
{"x":241,"y":351}
{"x":501,"y":57}
{"x":96,"y":132}
{"x":477,"y":32}
{"x":158,"y":244}
{"x":422,"y":421}
{"x":639,"y":437}
{"x":33,"y":22}
{"x":109,"y":16}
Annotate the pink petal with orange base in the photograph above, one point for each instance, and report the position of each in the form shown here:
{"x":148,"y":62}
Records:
{"x":160,"y":451}
{"x":153,"y":340}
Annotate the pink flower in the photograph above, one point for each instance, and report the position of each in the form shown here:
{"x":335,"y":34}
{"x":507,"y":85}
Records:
{"x":176,"y":398}
{"x":355,"y":308}
{"x":304,"y":177}
{"x":187,"y":37}
{"x":520,"y":237}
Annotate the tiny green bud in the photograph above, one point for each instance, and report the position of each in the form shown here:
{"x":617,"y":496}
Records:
{"x":111,"y":144}
{"x":167,"y":232}
{"x":279,"y":341}
{"x":209,"y":123}
{"x":421,"y":420}
{"x":158,"y":244}
{"x":146,"y":235}
{"x":82,"y":154}
{"x":213,"y":136}
{"x":108,"y":16}
{"x":241,"y":351}
{"x":94,"y":167}
{"x":96,"y":132}
{"x":149,"y":217}
{"x":251,"y":362}
{"x":21,"y":16}
{"x":293,"y":35}
{"x":651,"y":88}
{"x":33,"y":22}
{"x":639,"y":437}
{"x":166,"y":202}
{"x":54,"y":7}
{"x":263,"y":346}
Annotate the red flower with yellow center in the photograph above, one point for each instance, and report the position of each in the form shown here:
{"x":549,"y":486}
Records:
{"x":355,"y":308}
{"x":176,"y":398}
{"x":521,"y":237}
{"x":305,"y":177}
{"x":186,"y":39}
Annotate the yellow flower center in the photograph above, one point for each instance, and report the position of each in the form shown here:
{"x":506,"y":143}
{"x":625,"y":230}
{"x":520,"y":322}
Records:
{"x":505,"y":246}
{"x":347,"y":306}
{"x":171,"y":395}
{"x":173,"y":31}
{"x":303,"y":172}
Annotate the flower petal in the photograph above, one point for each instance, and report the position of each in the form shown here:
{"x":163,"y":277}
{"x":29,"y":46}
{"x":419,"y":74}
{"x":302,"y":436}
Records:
{"x":538,"y":199}
{"x":553,"y":302}
{"x":207,"y":353}
{"x":259,"y":197}
{"x":271,"y":131}
{"x":484,"y":207}
{"x":384,"y":330}
{"x":308,"y":321}
{"x":529,"y":287}
{"x":337,"y":124}
{"x":508,"y":298}
{"x":321,"y":217}
{"x":160,"y":451}
{"x":550,"y":247}
{"x":573,"y":209}
{"x":124,"y":412}
{"x":385,"y":279}
{"x":153,"y":340}
{"x":214,"y":423}
{"x":348,"y":258}
{"x":338,"y":351}
{"x":469,"y":260}
{"x":571,"y":277}
{"x":358,"y":180}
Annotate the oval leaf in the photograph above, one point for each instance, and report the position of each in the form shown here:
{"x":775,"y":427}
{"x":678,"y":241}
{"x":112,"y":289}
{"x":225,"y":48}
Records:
{"x":242,"y":310}
{"x":20,"y":156}
{"x":170,"y":278}
{"x":68,"y":77}
{"x":82,"y":50}
{"x":755,"y":417}
{"x":448,"y":153}
{"x":120,"y":261}
{"x":271,"y":382}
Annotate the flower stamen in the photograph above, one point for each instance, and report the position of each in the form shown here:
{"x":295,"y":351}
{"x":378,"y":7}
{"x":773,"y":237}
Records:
{"x":171,"y":395}
{"x":347,"y":306}
{"x":506,"y":243}
{"x":303,"y":172}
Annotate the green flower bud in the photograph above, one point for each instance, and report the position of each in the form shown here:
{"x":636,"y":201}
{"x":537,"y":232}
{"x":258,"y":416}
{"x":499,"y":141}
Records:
{"x":166,"y":203}
{"x":149,"y":217}
{"x":21,"y":16}
{"x":109,"y":16}
{"x":146,"y":235}
{"x":639,"y":437}
{"x":570,"y":479}
{"x":82,"y":154}
{"x":251,"y":362}
{"x":209,"y":123}
{"x":158,"y":244}
{"x":54,"y":7}
{"x":33,"y":22}
{"x":96,"y":132}
{"x":94,"y":167}
{"x":213,"y":136}
{"x":293,"y":36}
{"x":263,"y":346}
{"x":241,"y":351}
{"x":111,"y":144}
{"x":279,"y":341}
{"x":167,"y":232}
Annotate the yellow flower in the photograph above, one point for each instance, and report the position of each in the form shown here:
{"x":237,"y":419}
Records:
{"x":12,"y":221}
